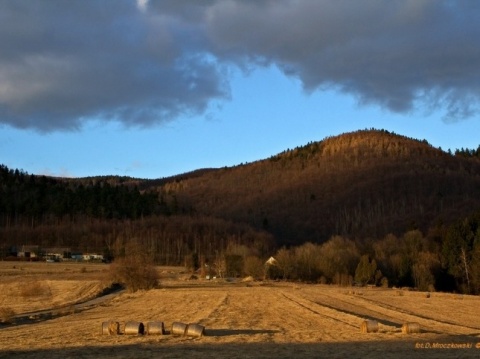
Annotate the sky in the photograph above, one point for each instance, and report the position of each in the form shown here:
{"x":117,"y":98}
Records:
{"x":155,"y":88}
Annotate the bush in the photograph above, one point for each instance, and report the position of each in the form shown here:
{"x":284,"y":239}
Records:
{"x":365,"y":271}
{"x":254,"y":267}
{"x":6,"y":315}
{"x":134,"y":275}
{"x":135,"y":272}
{"x":34,"y":289}
{"x":234,"y":265}
{"x":192,"y":262}
{"x":343,"y":279}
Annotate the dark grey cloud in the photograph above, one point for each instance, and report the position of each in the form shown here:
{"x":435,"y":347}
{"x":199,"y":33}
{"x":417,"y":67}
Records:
{"x":65,"y":61}
{"x":399,"y":54}
{"x":62,"y":62}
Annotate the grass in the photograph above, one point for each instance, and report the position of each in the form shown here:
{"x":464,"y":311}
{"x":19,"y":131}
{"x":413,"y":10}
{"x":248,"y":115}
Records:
{"x":266,"y":319}
{"x":34,"y":289}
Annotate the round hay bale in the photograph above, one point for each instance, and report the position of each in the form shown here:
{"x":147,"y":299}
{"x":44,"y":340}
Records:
{"x":410,"y":328}
{"x":195,"y":330}
{"x":110,"y":328}
{"x":369,"y":326}
{"x":427,"y":295}
{"x":179,"y":328}
{"x":155,"y":328}
{"x":134,"y":328}
{"x":121,"y":327}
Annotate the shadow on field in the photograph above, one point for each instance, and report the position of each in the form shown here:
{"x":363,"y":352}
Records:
{"x":197,"y":349}
{"x":230,"y":332}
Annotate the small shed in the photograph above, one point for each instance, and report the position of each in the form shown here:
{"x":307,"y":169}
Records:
{"x":57,"y":253}
{"x":28,"y":251}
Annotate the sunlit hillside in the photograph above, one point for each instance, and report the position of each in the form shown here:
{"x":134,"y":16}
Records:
{"x":366,"y":183}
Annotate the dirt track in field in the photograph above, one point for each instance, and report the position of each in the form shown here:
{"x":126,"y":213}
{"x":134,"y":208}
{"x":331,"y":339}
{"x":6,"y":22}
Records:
{"x":252,"y":320}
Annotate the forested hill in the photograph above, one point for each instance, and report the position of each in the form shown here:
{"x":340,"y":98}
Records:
{"x":362,"y":184}
{"x":109,"y":214}
{"x":28,"y":198}
{"x":404,"y":212}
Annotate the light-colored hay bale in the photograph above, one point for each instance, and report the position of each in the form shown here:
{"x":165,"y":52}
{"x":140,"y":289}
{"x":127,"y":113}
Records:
{"x":179,"y":328}
{"x":110,"y":328}
{"x":155,"y":328}
{"x":195,"y":330}
{"x":369,"y":326}
{"x":121,"y":327}
{"x":134,"y":328}
{"x":399,"y":293}
{"x":410,"y":328}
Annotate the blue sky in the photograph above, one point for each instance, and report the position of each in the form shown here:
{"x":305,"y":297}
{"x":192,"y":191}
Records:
{"x":219,"y":99}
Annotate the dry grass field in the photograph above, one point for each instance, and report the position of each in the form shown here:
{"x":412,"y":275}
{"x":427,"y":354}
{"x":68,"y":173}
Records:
{"x":242,"y":319}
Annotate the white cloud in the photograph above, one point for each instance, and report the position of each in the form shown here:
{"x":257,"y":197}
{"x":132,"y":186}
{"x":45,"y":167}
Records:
{"x":142,"y":5}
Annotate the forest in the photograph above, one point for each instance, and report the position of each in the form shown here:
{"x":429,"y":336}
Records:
{"x":367,"y":207}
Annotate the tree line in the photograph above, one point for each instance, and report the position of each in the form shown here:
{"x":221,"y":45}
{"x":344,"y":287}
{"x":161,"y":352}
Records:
{"x":165,"y":240}
{"x":447,"y":258}
{"x":33,"y":199}
{"x":467,"y":152}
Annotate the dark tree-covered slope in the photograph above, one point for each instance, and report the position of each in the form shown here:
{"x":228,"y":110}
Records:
{"x":360,"y":184}
{"x":27,"y":198}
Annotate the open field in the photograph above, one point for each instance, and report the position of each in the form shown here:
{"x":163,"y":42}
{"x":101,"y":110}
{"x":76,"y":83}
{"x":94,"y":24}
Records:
{"x":242,"y":319}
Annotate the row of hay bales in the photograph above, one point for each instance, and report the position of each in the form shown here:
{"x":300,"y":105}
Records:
{"x":152,"y":328}
{"x":371,"y":326}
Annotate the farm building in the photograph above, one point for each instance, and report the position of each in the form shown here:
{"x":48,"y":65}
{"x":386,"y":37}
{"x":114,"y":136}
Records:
{"x":28,"y":251}
{"x":57,"y":254}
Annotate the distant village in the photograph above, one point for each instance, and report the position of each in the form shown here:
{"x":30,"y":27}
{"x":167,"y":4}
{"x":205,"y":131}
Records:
{"x":34,"y":253}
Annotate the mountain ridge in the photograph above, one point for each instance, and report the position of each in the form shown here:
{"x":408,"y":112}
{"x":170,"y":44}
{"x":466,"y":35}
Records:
{"x":359,"y":184}
{"x":336,"y":181}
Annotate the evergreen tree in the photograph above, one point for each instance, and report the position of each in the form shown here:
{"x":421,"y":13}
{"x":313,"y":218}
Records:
{"x":365,"y":272}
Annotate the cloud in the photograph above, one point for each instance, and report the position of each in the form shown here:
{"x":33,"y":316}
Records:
{"x":400,"y":54}
{"x":147,"y":62}
{"x":142,"y":5}
{"x":64,"y":62}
